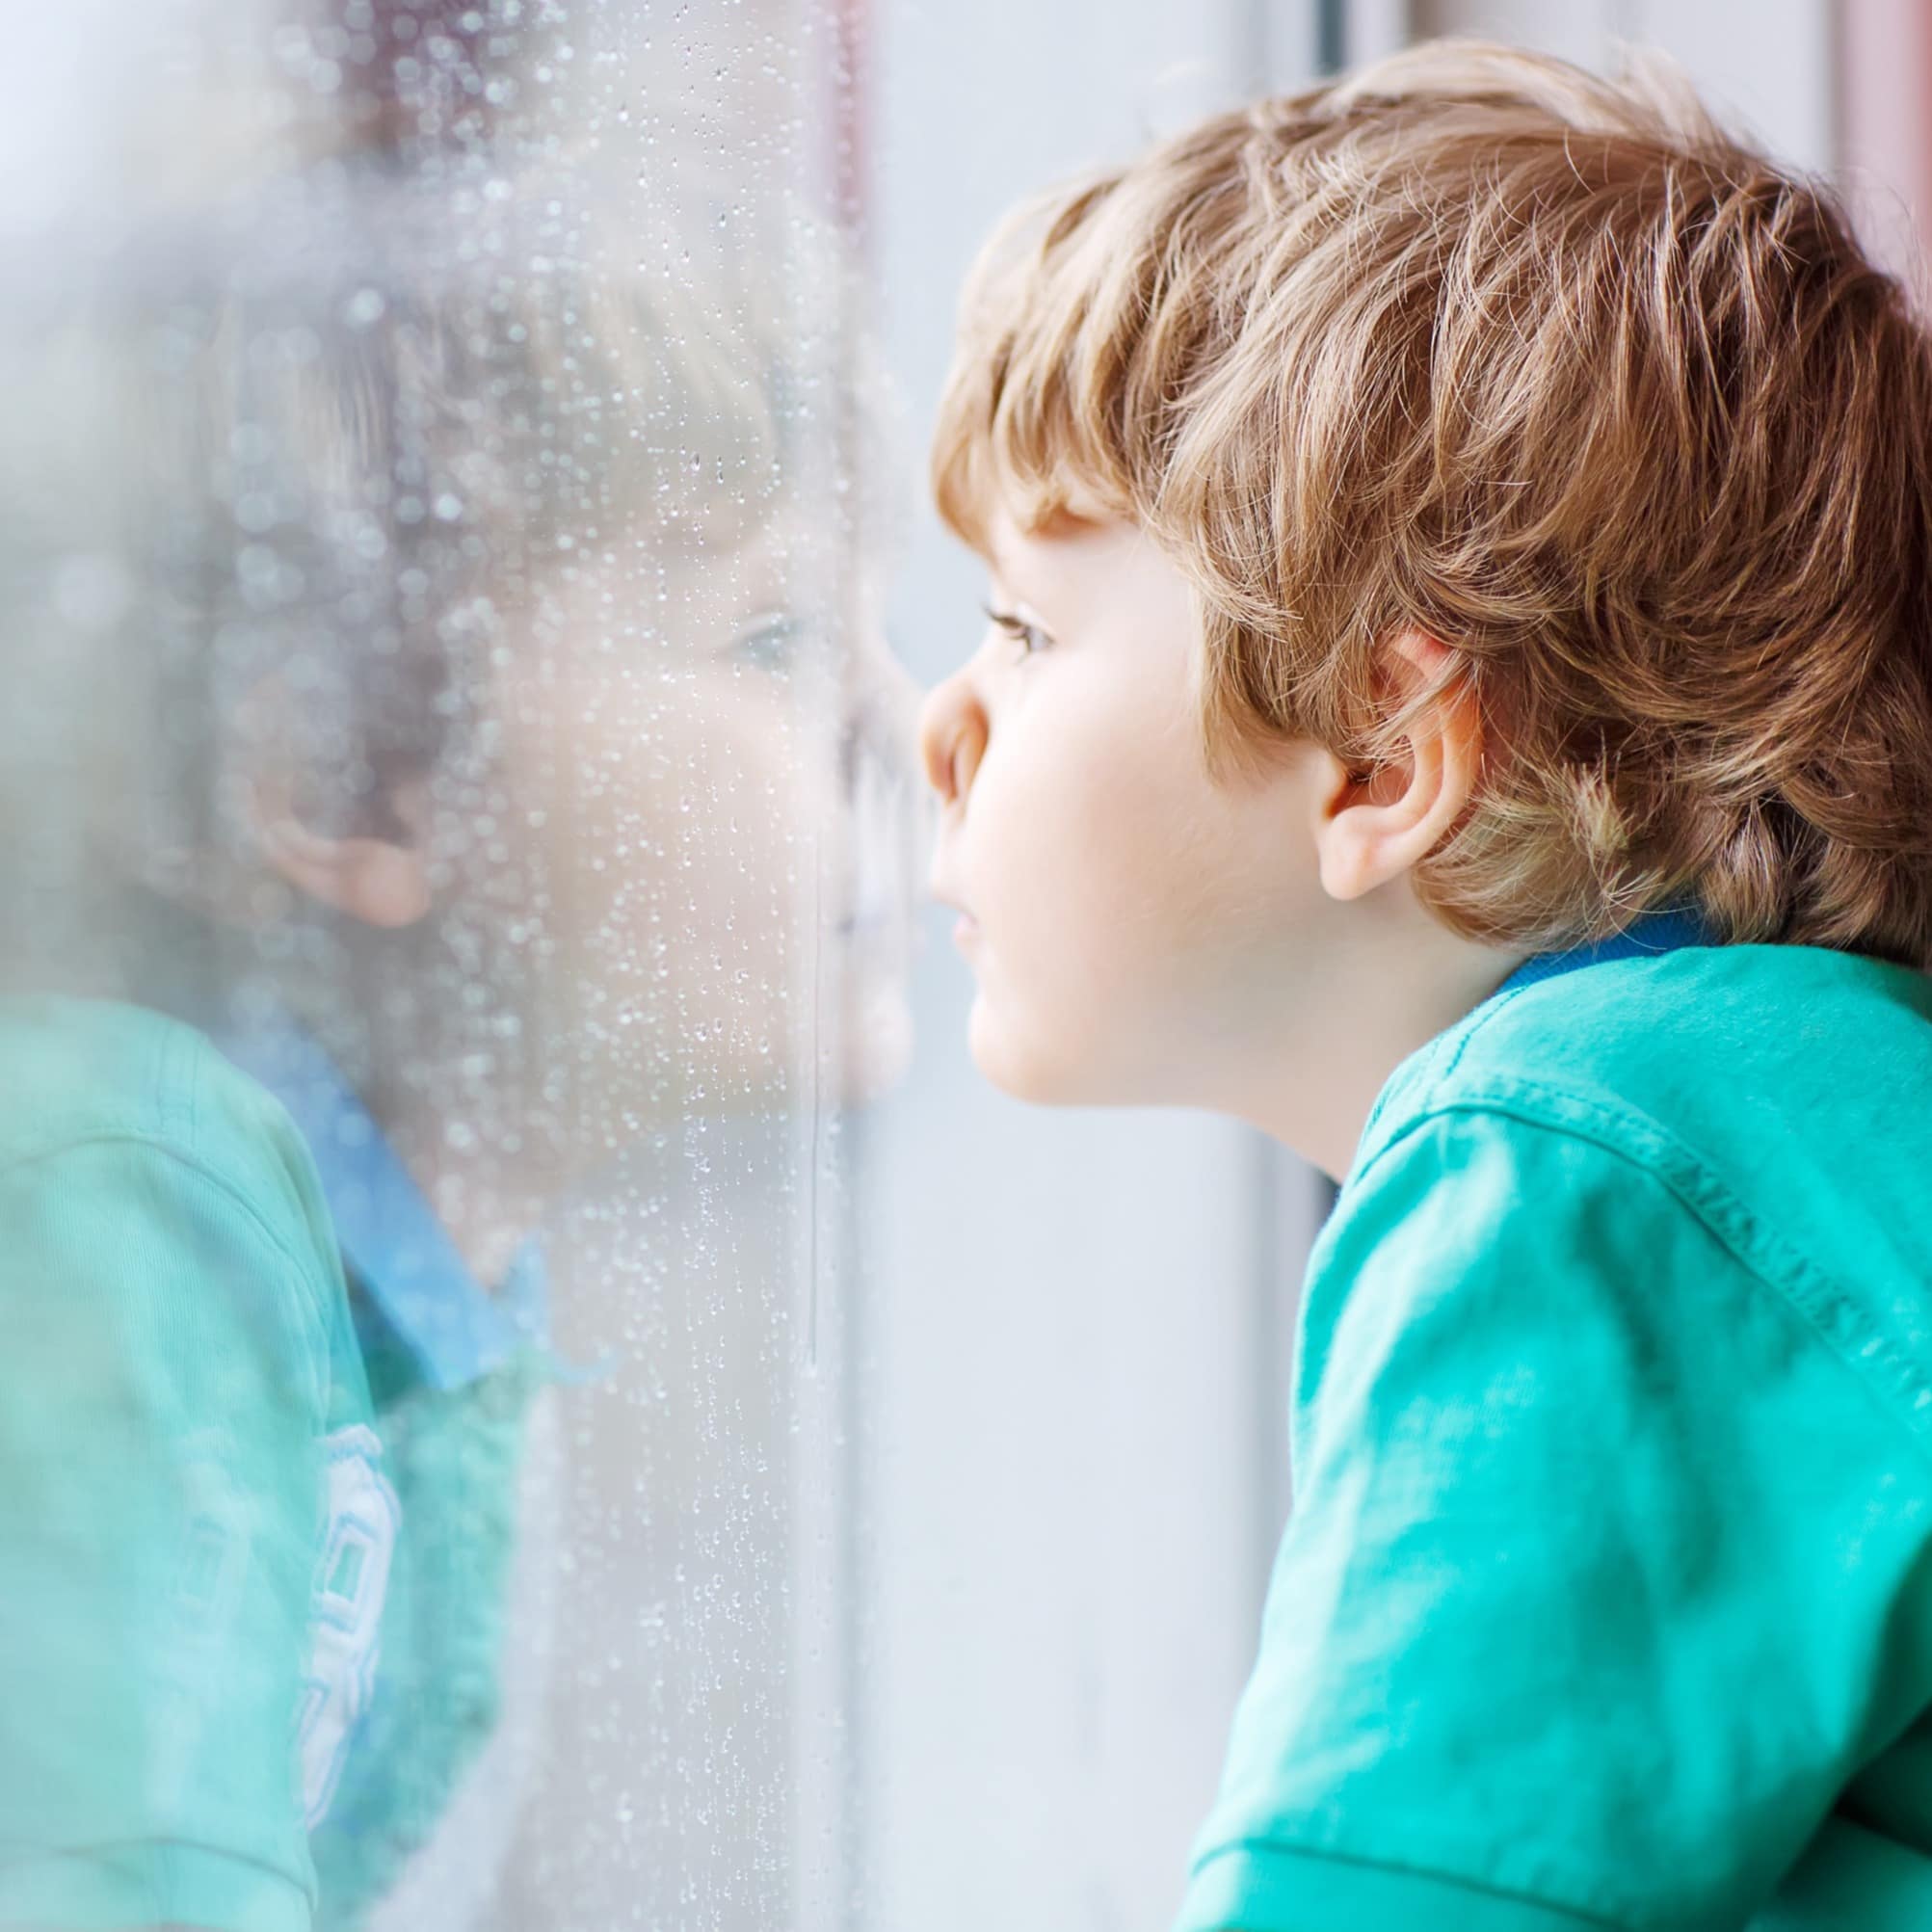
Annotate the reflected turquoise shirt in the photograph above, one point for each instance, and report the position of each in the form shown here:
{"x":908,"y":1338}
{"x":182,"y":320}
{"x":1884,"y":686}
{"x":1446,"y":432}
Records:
{"x":254,"y":1505}
{"x":1607,"y":1597}
{"x":450,"y":1369}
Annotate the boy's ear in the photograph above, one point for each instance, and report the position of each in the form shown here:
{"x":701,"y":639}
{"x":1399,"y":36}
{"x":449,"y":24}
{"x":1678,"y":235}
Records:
{"x":378,"y":881}
{"x":1374,"y":826}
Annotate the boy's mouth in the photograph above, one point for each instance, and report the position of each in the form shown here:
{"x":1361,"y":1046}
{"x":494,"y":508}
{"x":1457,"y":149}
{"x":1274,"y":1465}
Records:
{"x":967,"y":927}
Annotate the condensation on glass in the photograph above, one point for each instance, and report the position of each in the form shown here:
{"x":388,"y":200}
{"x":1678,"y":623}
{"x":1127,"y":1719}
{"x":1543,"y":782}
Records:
{"x":458,"y":818}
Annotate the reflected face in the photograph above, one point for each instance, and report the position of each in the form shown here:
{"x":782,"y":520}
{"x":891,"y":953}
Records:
{"x":708,"y":776}
{"x":1125,"y":918}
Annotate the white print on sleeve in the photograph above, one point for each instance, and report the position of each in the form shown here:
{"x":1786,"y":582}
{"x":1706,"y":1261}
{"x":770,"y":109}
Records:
{"x":362,"y":1517}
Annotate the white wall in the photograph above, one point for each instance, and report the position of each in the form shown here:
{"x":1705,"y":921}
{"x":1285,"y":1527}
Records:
{"x":1766,"y":65}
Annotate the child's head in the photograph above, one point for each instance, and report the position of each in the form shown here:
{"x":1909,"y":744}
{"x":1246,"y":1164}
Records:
{"x":1470,"y":504}
{"x":452,"y":584}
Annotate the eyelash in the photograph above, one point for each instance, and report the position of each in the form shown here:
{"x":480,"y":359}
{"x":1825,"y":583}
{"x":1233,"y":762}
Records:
{"x":1019,"y":629}
{"x":770,"y":641}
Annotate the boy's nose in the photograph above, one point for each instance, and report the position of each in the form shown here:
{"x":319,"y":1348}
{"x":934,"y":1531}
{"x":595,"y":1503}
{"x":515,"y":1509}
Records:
{"x":952,"y":738}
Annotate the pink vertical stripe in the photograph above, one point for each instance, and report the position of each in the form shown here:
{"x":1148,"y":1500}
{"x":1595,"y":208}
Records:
{"x":1885,"y":128}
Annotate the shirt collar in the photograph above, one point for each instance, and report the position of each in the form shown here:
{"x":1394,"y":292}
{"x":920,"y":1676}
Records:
{"x":1652,"y":933}
{"x":1648,"y":936}
{"x":390,"y":1237}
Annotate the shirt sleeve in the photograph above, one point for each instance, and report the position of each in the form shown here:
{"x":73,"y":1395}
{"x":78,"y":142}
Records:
{"x":158,"y":1513}
{"x":1590,"y":1601}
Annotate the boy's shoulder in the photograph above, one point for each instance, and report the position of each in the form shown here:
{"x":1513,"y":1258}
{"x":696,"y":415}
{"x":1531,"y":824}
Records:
{"x":128,"y":1082}
{"x":1614,"y":1245}
{"x":1774,"y":1093}
{"x":74,"y":1068}
{"x":1786,"y":1045}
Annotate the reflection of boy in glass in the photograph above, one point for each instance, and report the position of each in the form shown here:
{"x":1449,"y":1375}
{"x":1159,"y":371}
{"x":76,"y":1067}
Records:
{"x":477,"y":790}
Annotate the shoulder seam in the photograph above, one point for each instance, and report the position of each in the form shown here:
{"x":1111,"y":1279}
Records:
{"x":198,"y":1166}
{"x":1495,"y":1004}
{"x":1427,"y":1874}
{"x":1786,"y":1270}
{"x":1472,"y":1024}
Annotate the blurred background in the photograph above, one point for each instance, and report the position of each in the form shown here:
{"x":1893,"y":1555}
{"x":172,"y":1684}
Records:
{"x":498,"y":429}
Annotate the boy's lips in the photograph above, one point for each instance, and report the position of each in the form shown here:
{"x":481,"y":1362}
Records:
{"x":966,"y":927}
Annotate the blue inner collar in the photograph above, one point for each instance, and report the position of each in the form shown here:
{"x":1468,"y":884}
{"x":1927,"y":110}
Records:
{"x":1653,"y":932}
{"x":390,"y":1237}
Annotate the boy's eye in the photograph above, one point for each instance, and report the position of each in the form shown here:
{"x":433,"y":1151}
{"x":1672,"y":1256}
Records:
{"x":770,"y":641}
{"x":1030,"y":637}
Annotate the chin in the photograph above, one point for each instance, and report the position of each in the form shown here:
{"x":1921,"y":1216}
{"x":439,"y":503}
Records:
{"x":1022,"y":1074}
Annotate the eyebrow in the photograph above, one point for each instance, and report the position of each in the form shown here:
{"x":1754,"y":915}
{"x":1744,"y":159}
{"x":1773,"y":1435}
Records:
{"x":995,"y":559}
{"x":1000,"y":564}
{"x":1062,"y":523}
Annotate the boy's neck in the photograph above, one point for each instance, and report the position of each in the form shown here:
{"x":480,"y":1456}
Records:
{"x":1319,"y":1082}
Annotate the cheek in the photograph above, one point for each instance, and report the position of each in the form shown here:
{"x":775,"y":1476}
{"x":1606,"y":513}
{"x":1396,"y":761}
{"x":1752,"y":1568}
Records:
{"x":676,"y":842}
{"x":1090,"y":862}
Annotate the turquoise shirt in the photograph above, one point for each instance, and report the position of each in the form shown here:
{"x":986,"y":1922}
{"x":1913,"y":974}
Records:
{"x":255,"y":1508}
{"x":1606,"y":1596}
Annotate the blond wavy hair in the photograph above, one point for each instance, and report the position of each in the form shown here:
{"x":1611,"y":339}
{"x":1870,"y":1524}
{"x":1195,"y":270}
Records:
{"x":1555,"y":369}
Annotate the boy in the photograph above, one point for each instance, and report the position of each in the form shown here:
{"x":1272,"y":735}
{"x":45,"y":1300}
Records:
{"x":1459,"y":696}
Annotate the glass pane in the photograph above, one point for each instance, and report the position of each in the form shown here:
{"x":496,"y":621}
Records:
{"x":461,"y":831}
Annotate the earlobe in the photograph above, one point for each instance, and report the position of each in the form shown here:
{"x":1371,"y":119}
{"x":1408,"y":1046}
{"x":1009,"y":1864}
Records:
{"x":1345,"y":836}
{"x":1377,"y":825}
{"x":377,"y":881}
{"x":370,"y":880}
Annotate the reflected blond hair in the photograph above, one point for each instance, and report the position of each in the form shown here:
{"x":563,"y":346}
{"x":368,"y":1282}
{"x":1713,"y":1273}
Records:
{"x":1554,"y":369}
